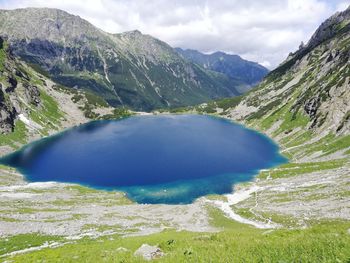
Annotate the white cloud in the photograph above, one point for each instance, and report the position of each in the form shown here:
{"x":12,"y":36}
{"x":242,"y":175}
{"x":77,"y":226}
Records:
{"x":342,"y":5}
{"x":259,"y":30}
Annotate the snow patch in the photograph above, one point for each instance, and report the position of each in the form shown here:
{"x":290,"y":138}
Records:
{"x":236,"y":198}
{"x":30,"y":124}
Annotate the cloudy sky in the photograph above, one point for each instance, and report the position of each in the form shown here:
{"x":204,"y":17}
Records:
{"x":260,"y":30}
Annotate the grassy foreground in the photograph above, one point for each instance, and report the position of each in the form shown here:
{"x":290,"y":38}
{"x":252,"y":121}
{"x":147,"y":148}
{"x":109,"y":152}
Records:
{"x":324,"y":242}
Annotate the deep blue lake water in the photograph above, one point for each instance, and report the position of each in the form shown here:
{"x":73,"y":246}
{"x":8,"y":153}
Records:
{"x":155,"y":159}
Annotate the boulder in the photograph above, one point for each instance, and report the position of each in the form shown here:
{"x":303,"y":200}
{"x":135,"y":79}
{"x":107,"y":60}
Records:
{"x":122,"y":249}
{"x":149,"y":252}
{"x":33,"y":94}
{"x":311,"y":106}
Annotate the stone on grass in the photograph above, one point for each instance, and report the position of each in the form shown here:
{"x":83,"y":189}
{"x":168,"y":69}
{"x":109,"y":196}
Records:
{"x":122,"y":249}
{"x":149,"y":252}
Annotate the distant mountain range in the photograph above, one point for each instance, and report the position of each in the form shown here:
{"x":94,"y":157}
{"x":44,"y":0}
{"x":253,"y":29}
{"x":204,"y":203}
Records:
{"x":128,"y":69}
{"x":232,"y":66}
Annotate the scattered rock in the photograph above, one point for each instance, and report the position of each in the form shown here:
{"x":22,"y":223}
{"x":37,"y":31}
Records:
{"x":122,"y":249}
{"x":149,"y":252}
{"x":21,"y":74}
{"x":311,"y":107}
{"x":7,"y":117}
{"x":12,"y":84}
{"x":33,"y":94}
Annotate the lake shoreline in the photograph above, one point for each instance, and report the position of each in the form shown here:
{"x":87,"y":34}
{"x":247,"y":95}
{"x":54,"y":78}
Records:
{"x":171,"y":182}
{"x":172,"y":213}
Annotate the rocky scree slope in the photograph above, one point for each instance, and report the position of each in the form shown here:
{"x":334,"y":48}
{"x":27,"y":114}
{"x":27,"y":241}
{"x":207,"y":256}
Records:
{"x":307,"y":95}
{"x":250,"y":73}
{"x":128,"y":69}
{"x":32,"y":106}
{"x":304,"y":105}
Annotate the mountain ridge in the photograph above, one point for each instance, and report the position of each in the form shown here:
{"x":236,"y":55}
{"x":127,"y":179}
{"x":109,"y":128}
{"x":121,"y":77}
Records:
{"x":233,"y":66}
{"x":127,"y":69}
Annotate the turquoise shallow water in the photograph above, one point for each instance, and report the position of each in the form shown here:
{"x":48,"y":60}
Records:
{"x":155,"y":159}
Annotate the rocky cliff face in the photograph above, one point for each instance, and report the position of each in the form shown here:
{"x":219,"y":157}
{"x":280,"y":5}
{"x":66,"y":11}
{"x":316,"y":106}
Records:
{"x":16,"y":89}
{"x":250,"y":73}
{"x":129,"y":69}
{"x":333,"y":26}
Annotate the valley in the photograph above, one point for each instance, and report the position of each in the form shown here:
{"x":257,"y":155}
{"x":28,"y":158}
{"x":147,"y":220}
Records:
{"x":297,"y":211}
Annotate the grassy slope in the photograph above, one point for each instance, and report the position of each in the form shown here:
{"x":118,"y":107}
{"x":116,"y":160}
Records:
{"x":326,"y":242}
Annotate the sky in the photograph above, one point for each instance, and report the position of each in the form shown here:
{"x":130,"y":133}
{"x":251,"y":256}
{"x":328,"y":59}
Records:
{"x":265,"y":31}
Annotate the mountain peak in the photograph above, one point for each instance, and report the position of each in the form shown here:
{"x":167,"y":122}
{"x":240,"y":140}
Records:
{"x":337,"y":23}
{"x":135,"y":32}
{"x":45,"y":23}
{"x":39,"y":11}
{"x":231,"y":65}
{"x":128,"y":69}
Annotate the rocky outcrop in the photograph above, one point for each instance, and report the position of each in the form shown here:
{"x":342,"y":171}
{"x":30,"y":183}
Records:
{"x":311,"y":106}
{"x":15,"y":83}
{"x":7,"y":114}
{"x":12,"y":84}
{"x":32,"y":94}
{"x":334,"y":25}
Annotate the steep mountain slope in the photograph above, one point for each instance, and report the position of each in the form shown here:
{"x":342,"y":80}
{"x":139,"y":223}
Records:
{"x":309,"y":93}
{"x":304,"y":105}
{"x":32,"y":106}
{"x":129,"y":69}
{"x":231,"y":65}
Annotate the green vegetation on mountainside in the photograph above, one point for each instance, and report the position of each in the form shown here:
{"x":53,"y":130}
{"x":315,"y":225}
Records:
{"x":128,"y":69}
{"x":31,"y":107}
{"x":17,"y":136}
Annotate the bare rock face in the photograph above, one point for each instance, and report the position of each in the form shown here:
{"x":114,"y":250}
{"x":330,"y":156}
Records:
{"x":330,"y":28}
{"x":334,"y":25}
{"x":16,"y":90}
{"x":7,"y":115}
{"x":149,"y":252}
{"x":33,"y":94}
{"x":311,"y":106}
{"x":12,"y":84}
